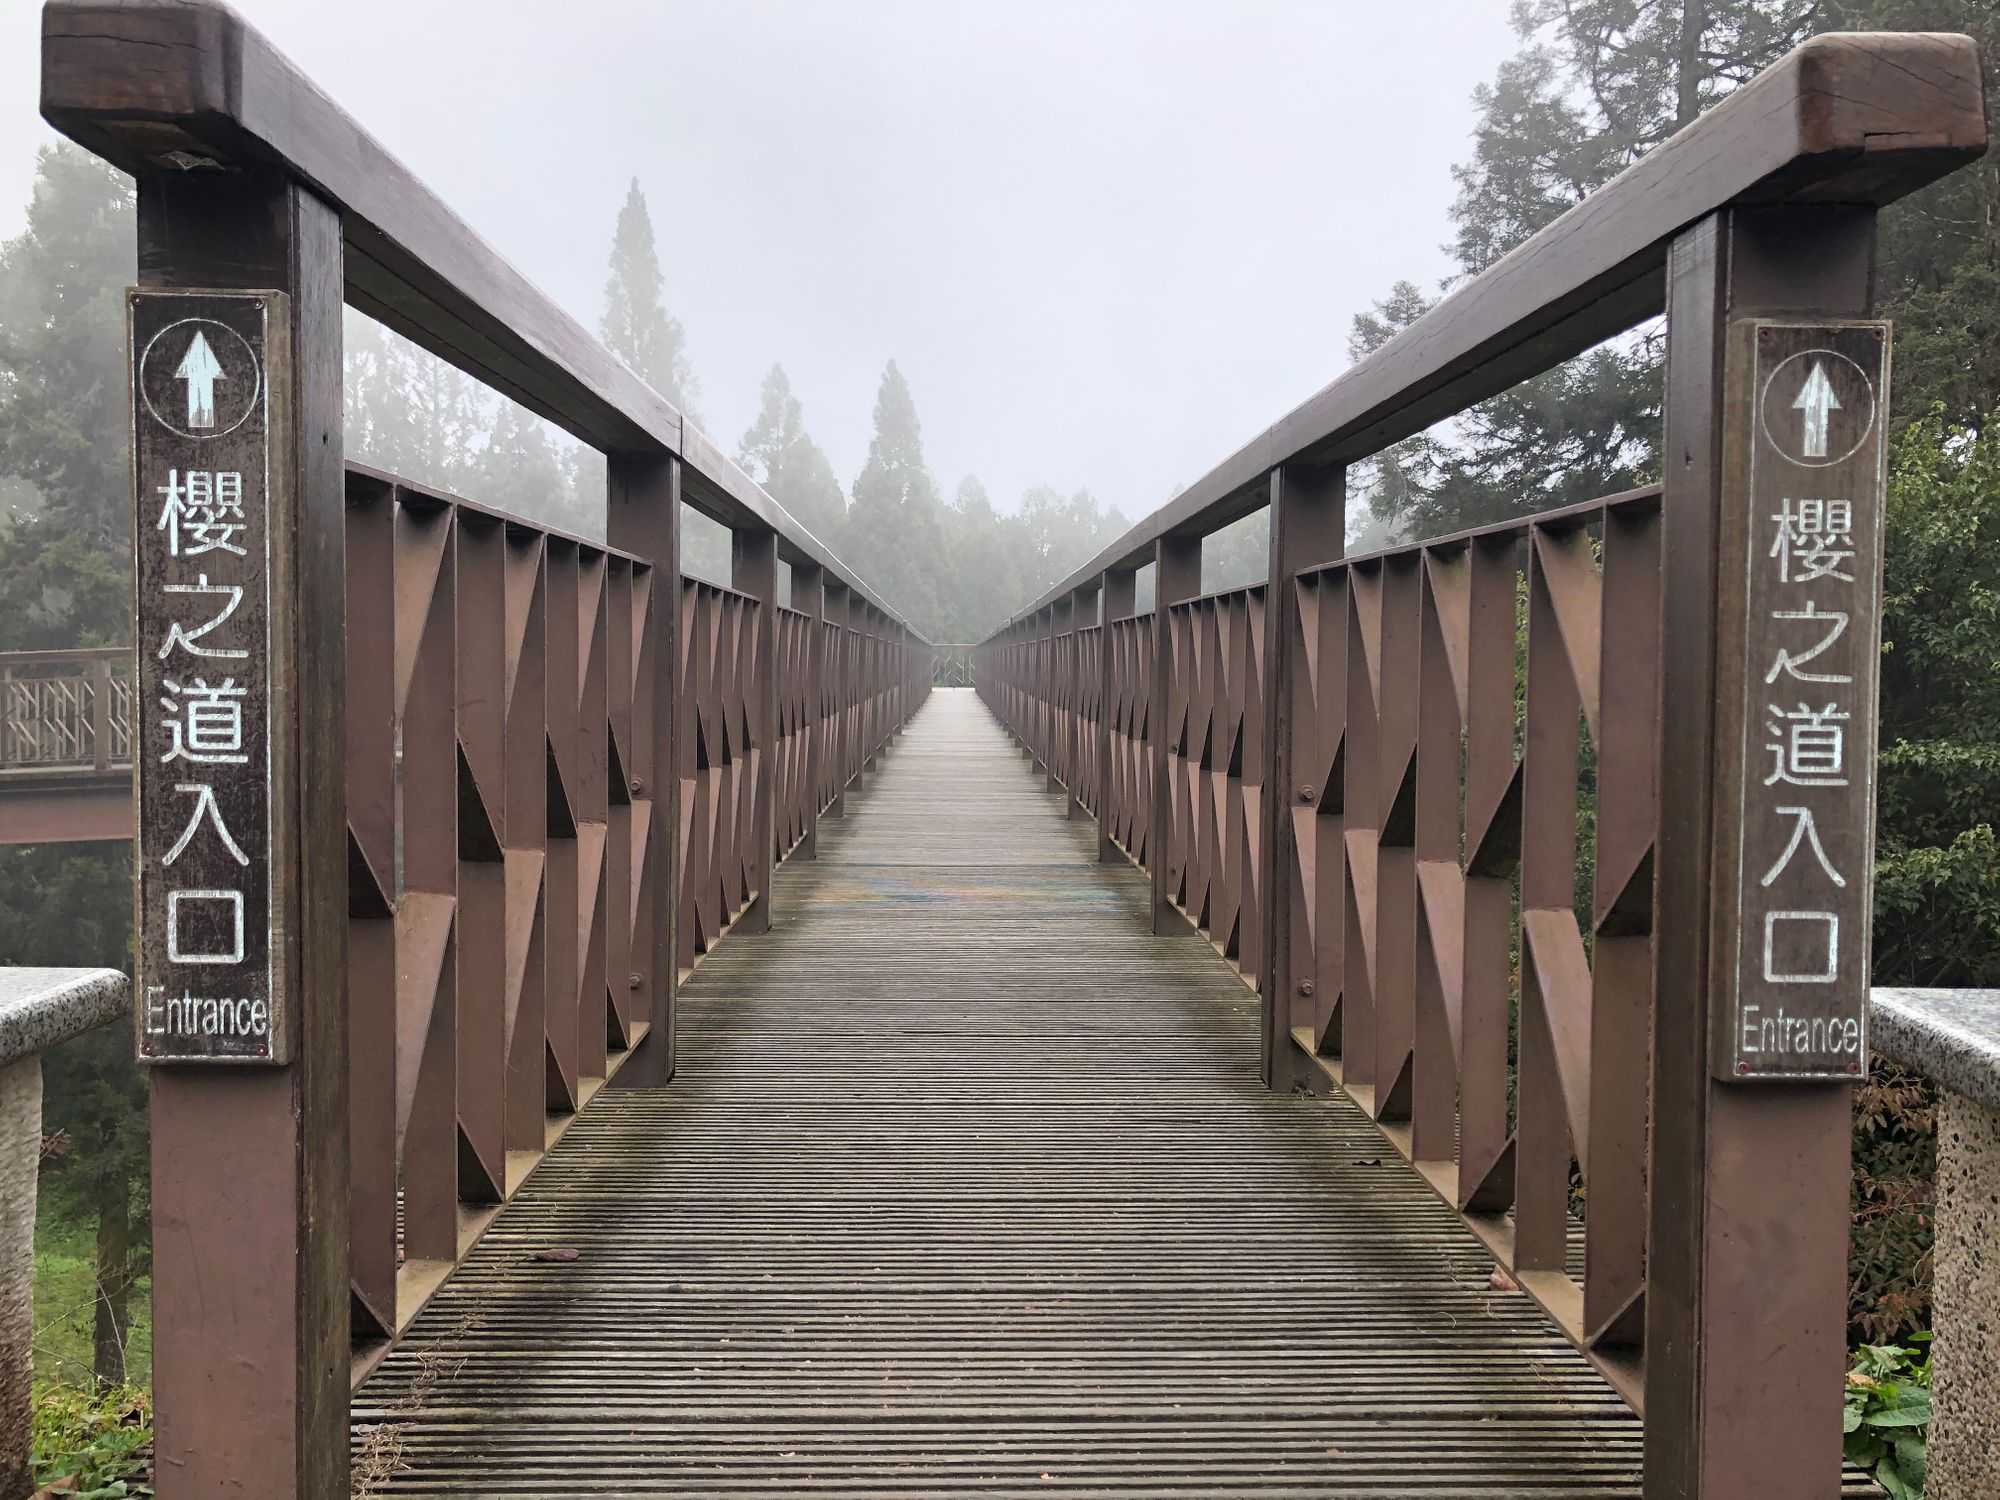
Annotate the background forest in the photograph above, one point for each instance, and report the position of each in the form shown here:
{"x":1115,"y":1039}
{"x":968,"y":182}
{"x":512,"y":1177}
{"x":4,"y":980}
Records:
{"x":1593,"y":86}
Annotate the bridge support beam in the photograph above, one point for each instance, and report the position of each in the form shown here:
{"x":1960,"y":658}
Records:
{"x":643,"y":516}
{"x":1746,"y":1302}
{"x":1176,"y":578}
{"x":1308,"y":530}
{"x":250,"y":1165}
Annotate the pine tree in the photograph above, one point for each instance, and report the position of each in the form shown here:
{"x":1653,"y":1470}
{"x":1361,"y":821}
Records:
{"x":780,"y":455}
{"x":637,"y":326}
{"x":892,"y":533}
{"x":519,"y":471}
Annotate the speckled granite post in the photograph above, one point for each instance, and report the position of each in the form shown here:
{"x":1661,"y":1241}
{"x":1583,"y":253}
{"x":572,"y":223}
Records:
{"x":20,"y":1143}
{"x":1965,"y":1293}
{"x":38,"y":1009}
{"x":1953,"y":1038}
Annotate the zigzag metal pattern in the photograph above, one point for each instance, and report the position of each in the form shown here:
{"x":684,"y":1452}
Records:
{"x":1443,"y":702}
{"x":502,"y":861}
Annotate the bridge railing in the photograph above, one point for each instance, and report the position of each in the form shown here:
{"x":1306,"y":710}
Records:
{"x":520,"y":780}
{"x":66,"y":710}
{"x":1468,"y":812}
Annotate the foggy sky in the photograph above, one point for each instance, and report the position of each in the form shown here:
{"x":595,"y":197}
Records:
{"x":1106,"y":242}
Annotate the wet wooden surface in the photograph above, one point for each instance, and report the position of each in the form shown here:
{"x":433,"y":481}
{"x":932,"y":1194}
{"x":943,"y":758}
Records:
{"x":967,"y":1186}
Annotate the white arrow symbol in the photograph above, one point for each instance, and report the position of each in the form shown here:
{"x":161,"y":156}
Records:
{"x":1816,"y":399}
{"x":200,"y":369}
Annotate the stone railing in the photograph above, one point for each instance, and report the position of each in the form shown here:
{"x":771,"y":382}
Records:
{"x":38,"y":1009}
{"x":1953,"y":1038}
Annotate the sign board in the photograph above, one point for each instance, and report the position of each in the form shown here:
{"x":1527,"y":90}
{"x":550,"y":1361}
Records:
{"x":1810,"y":407}
{"x":207,"y":405}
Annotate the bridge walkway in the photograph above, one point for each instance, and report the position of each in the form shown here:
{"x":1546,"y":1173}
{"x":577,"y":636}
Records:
{"x":967,"y":1185}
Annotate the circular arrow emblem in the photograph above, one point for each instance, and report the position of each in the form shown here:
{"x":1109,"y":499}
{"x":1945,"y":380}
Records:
{"x":1818,"y":408}
{"x":199,"y":378}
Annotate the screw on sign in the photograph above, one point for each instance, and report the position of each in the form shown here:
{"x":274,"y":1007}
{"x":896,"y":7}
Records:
{"x":211,"y":987}
{"x":1807,"y":610}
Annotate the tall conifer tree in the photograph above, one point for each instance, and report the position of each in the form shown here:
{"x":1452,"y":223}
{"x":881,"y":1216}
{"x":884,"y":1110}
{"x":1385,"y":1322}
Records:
{"x":893,"y":533}
{"x":780,"y":455}
{"x":637,"y":326}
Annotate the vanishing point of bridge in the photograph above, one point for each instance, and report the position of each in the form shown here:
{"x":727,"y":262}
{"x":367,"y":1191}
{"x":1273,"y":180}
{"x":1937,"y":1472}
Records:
{"x":615,"y":1033}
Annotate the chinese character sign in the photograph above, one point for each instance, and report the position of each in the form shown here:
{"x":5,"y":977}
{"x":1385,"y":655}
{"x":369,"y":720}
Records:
{"x":1811,"y":600}
{"x":202,"y":433}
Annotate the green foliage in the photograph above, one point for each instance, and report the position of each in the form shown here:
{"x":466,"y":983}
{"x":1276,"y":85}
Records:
{"x":1887,"y":1416}
{"x":1893,"y":1201}
{"x":1937,"y":882}
{"x":96,"y":1447}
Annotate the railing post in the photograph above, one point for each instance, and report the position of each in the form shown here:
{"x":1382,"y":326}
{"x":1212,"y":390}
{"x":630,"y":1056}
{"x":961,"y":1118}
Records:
{"x":809,"y":591}
{"x":1176,"y":577}
{"x":753,"y":570}
{"x":1748,"y":1181}
{"x":1119,"y":591}
{"x":100,"y":713}
{"x":643,"y":517}
{"x":1308,"y":530}
{"x":250,"y":1175}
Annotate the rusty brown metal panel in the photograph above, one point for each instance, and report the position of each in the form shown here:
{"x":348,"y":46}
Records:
{"x":481,"y":945}
{"x":1361,"y":820}
{"x":1492,"y":853}
{"x":371,"y":938}
{"x":1437,"y":1023}
{"x":809,"y":596}
{"x":838,"y":689}
{"x":1628,"y":751}
{"x":1395,"y":980}
{"x":563,"y":952}
{"x":619,"y":874}
{"x":426,"y":909}
{"x":753,"y":570}
{"x":1118,"y":593}
{"x":1176,"y":576}
{"x":525,"y":830}
{"x":1324,"y":615}
{"x":592,"y":807}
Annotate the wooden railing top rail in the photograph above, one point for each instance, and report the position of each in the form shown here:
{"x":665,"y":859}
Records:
{"x":189,"y":85}
{"x":56,"y":658}
{"x":1860,"y":118}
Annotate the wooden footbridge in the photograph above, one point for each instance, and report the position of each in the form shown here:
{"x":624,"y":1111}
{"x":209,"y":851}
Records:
{"x":1388,"y":1034}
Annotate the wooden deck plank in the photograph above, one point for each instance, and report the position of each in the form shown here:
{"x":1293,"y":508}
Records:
{"x":967,"y":1186}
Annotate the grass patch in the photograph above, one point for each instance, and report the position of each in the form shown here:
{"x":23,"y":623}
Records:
{"x":66,"y":1306}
